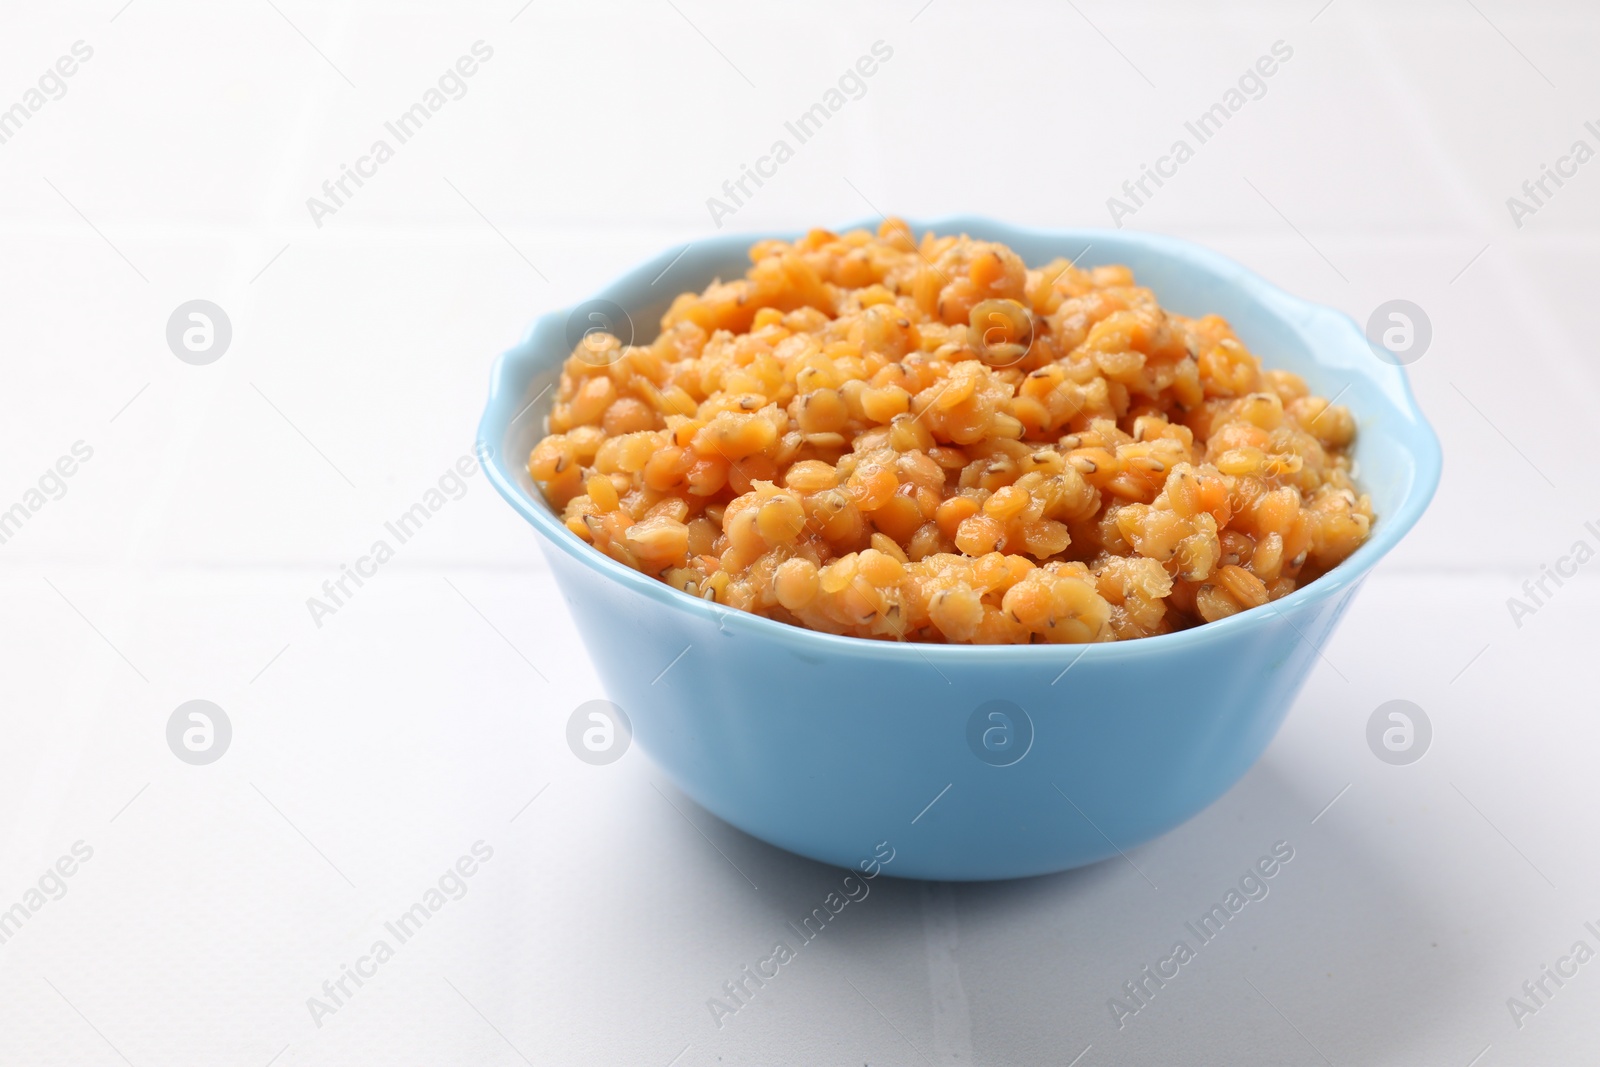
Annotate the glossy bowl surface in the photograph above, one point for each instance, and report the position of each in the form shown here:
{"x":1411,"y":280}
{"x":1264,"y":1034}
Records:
{"x":828,"y":745}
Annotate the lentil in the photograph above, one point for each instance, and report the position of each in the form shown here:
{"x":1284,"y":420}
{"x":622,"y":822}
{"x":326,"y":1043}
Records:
{"x":882,"y":437}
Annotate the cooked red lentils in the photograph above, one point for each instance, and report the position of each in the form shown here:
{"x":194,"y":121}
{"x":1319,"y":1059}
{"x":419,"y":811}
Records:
{"x":926,"y":440}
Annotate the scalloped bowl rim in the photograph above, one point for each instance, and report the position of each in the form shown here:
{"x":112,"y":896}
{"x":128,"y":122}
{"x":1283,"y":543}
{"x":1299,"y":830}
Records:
{"x":1315,"y":321}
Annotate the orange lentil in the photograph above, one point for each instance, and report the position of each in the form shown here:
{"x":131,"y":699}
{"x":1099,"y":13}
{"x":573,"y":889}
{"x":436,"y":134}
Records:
{"x":888,"y":438}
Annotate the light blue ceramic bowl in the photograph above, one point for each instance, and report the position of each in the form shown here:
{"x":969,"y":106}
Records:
{"x":828,"y":745}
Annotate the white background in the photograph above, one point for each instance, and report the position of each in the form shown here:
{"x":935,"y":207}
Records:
{"x":370,"y":753}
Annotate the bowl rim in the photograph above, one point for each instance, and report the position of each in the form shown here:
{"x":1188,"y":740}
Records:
{"x":1319,"y":323}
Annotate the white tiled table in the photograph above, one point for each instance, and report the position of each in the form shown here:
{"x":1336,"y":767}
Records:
{"x":372,"y":752}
